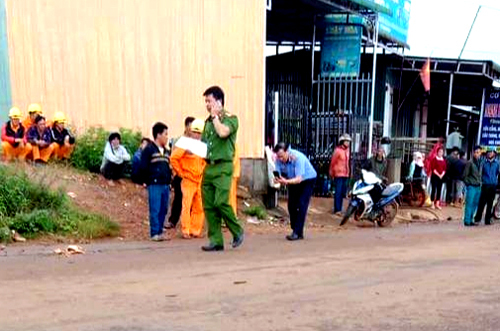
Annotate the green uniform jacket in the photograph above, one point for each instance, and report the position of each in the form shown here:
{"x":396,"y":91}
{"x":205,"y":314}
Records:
{"x":472,"y":173}
{"x":220,"y":149}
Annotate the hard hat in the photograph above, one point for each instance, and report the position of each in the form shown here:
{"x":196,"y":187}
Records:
{"x":345,"y":137}
{"x":197,"y":125}
{"x":15,"y":113}
{"x":59,"y":117}
{"x":34,"y":108}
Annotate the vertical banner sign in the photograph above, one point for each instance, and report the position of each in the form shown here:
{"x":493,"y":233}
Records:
{"x":490,"y":127}
{"x":341,"y":47}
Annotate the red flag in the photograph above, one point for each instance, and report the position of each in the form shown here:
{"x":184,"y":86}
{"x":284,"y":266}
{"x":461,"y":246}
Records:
{"x":425,"y":75}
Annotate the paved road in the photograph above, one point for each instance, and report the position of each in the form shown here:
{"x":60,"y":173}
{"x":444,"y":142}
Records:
{"x":419,"y":277}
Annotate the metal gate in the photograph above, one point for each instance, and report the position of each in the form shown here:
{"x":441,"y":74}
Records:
{"x":341,"y":105}
{"x":314,"y":124}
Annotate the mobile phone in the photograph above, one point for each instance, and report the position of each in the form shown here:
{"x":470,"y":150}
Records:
{"x":276,"y":174}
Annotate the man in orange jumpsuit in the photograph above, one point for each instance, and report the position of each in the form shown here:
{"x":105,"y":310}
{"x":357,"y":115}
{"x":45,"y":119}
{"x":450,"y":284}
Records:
{"x":14,"y":143}
{"x":33,"y":111}
{"x":190,"y":168}
{"x":39,"y":136}
{"x":233,"y":195}
{"x":63,"y":141}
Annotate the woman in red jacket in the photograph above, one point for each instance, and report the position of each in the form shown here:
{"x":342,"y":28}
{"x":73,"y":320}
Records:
{"x":438,"y":170}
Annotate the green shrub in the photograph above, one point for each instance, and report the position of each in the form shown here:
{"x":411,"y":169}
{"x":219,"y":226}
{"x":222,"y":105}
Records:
{"x":32,"y":208}
{"x":35,"y":222}
{"x":4,"y":234}
{"x":90,"y":145}
{"x":19,"y":194}
{"x":256,"y":211}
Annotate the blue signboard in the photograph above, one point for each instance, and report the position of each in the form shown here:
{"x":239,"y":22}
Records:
{"x":341,"y":47}
{"x":395,"y":26}
{"x":394,"y":17}
{"x":490,"y":127}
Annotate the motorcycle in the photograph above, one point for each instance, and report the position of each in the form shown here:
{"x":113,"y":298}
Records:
{"x":414,"y":192}
{"x":373,"y":201}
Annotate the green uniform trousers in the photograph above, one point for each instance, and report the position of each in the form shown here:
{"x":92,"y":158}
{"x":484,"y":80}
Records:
{"x":215,"y":190}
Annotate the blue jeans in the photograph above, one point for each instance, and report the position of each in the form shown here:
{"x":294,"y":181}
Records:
{"x":471,"y":201}
{"x":159,"y":196}
{"x":340,"y":184}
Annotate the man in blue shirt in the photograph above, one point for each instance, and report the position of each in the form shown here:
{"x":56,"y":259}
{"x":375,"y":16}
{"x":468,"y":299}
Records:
{"x":490,"y":171}
{"x":296,"y":171}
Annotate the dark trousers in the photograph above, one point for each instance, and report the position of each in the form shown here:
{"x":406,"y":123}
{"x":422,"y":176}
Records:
{"x":299,"y":196}
{"x":113,"y":171}
{"x":486,"y":199}
{"x":340,"y":184}
{"x":436,"y":187}
{"x":158,"y":196}
{"x":175,"y":211}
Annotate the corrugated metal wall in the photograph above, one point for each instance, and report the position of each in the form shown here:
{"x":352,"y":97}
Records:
{"x":133,"y":62}
{"x":5,"y":88}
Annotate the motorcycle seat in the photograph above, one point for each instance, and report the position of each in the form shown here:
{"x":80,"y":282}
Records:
{"x":394,"y":188}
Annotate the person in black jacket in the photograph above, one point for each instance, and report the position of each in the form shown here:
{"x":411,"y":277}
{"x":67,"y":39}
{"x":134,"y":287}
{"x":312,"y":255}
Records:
{"x":64,"y":141}
{"x":156,"y":174}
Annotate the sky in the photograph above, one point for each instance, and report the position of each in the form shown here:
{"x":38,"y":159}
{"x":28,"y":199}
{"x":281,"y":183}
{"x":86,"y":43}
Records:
{"x":439,"y":28}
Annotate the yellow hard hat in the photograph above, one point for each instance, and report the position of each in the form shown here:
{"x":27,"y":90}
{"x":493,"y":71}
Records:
{"x":35,"y":108}
{"x":59,"y":117}
{"x":15,"y":113}
{"x":197,"y":125}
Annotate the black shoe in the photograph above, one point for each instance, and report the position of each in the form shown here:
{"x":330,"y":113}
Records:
{"x":471,"y":224}
{"x":293,"y":237}
{"x":238,"y":241}
{"x":212,"y":248}
{"x":487,"y":223}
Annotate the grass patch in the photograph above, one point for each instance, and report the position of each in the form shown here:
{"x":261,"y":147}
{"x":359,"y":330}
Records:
{"x":30,"y":207}
{"x":256,"y":211}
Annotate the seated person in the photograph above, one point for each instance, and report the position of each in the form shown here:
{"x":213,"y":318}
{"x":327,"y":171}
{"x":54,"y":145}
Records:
{"x":136,"y":161}
{"x":14,"y":143}
{"x":40,"y":138}
{"x":114,"y":158}
{"x":417,"y":169}
{"x":33,"y":111}
{"x":63,"y":141}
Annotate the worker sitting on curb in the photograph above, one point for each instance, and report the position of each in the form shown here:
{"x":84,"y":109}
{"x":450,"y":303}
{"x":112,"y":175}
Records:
{"x":14,"y":143}
{"x":63,"y":141}
{"x":33,"y":111}
{"x":114,"y":159}
{"x":40,"y":138}
{"x":189,"y":167}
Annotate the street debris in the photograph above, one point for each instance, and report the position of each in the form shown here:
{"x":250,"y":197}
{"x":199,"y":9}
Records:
{"x":70,"y":250}
{"x":239,"y":282}
{"x":72,"y":195}
{"x":17,"y":237}
{"x":253,"y":220}
{"x":2,"y":247}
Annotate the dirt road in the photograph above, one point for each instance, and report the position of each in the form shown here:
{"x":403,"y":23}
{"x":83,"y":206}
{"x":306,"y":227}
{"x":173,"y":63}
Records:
{"x":418,"y":277}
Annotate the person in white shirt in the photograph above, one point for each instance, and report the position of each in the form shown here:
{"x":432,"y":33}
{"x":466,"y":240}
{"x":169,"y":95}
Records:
{"x":115,"y":158}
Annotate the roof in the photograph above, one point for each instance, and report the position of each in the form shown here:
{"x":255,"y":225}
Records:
{"x":293,"y":20}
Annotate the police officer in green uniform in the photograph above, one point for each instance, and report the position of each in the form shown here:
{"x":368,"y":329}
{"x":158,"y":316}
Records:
{"x":220,"y":136}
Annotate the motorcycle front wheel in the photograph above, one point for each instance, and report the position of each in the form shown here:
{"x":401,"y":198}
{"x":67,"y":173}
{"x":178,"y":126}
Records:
{"x":390,"y":211}
{"x":496,"y":210}
{"x":350,"y":210}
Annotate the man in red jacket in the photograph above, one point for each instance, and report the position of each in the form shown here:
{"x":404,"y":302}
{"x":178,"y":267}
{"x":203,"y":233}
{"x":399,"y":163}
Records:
{"x":14,"y":144}
{"x":340,"y":169}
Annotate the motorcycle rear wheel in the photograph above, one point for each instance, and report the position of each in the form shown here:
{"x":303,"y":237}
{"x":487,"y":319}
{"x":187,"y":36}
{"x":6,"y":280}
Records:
{"x":418,"y":198}
{"x":390,"y":211}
